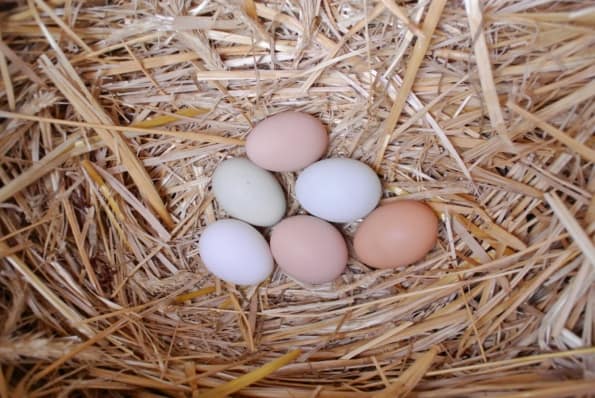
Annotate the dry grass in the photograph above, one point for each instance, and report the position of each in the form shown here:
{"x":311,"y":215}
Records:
{"x":114,"y":117}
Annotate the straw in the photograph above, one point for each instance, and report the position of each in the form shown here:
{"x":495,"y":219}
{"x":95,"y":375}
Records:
{"x":250,"y":378}
{"x":419,"y":51}
{"x":113,"y":119}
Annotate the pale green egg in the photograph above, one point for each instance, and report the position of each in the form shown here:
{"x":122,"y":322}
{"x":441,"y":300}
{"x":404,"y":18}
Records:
{"x":248,"y":192}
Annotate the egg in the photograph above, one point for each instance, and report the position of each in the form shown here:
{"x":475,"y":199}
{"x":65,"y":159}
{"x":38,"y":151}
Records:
{"x":248,"y":192}
{"x":235,"y":252}
{"x":338,"y":190}
{"x":309,"y":249}
{"x":287,"y":141}
{"x":396,"y":234}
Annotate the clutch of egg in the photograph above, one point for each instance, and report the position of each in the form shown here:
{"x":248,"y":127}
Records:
{"x":307,"y":248}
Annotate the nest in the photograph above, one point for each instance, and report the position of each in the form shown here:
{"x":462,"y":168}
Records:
{"x":113,"y":117}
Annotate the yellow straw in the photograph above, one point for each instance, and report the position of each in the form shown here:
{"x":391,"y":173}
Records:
{"x":252,"y":377}
{"x":197,"y":293}
{"x":165,"y":119}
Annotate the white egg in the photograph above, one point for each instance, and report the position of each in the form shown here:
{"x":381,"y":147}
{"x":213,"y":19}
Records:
{"x":338,"y":189}
{"x":235,"y":252}
{"x":247,"y":192}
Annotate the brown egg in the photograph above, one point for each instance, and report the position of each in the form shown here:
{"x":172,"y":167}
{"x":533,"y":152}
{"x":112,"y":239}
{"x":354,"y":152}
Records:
{"x":309,"y":249}
{"x":396,"y":234}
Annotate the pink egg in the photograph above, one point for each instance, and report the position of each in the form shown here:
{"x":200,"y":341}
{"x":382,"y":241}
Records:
{"x":309,"y":249}
{"x":287,"y":141}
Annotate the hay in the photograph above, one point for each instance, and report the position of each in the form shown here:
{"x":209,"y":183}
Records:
{"x":115,"y":115}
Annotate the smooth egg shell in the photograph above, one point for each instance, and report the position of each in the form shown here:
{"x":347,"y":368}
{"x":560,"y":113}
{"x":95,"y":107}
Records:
{"x":235,"y":252}
{"x":287,"y":141}
{"x":248,"y":192}
{"x":338,"y":189}
{"x":309,"y":249}
{"x":396,"y":234}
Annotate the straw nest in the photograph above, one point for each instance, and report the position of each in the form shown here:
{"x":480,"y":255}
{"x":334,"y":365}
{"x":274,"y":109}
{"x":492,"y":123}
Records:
{"x":114,"y":116}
